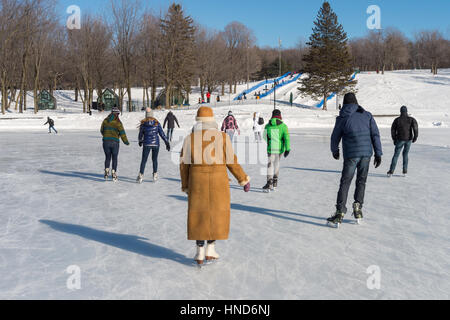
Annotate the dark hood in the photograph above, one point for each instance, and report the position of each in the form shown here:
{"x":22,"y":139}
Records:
{"x":350,"y":98}
{"x":404,"y":111}
{"x":349,"y":109}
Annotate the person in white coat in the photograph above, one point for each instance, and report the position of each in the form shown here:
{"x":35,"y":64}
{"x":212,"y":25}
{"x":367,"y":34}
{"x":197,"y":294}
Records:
{"x":258,"y":126}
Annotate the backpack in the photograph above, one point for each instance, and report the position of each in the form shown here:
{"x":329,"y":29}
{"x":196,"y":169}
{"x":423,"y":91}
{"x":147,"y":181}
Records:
{"x":261,"y":121}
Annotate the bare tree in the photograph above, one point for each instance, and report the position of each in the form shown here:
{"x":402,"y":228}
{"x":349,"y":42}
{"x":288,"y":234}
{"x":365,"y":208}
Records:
{"x":125,"y":21}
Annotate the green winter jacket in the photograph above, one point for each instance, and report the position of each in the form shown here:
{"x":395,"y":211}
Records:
{"x":112,"y":129}
{"x":277,"y":136}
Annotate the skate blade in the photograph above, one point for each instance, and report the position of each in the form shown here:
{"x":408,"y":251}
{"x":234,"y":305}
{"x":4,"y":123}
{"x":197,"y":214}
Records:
{"x":333,"y":225}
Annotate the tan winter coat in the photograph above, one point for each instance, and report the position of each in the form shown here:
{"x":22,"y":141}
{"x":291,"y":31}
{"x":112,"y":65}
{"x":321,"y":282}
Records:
{"x":204,"y":177}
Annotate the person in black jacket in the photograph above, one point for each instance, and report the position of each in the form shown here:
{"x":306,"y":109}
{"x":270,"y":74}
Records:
{"x":405,"y":132}
{"x":170,"y":121}
{"x":51,"y":125}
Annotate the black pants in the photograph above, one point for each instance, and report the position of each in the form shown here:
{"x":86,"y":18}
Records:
{"x":361,"y":165}
{"x":201,"y":243}
{"x":111,"y":149}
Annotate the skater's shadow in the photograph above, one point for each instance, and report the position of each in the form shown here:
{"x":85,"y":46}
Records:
{"x":84,"y":175}
{"x":270,"y":212}
{"x":129,"y":243}
{"x":375,"y":175}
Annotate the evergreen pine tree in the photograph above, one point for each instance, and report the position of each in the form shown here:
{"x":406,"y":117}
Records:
{"x":328,"y":63}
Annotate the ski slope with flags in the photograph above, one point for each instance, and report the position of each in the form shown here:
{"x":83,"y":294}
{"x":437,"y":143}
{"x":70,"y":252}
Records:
{"x":129,"y":241}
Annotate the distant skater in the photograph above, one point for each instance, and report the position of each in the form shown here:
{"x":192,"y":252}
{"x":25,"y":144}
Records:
{"x":51,"y":125}
{"x":258,"y":126}
{"x":405,"y":132}
{"x":170,"y":122}
{"x":278,"y":144}
{"x":112,"y":131}
{"x":360,"y":136}
{"x":149,"y":132}
{"x":206,"y":155}
{"x":230,"y":125}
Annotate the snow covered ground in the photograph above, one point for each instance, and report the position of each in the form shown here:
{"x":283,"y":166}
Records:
{"x":129,"y":240}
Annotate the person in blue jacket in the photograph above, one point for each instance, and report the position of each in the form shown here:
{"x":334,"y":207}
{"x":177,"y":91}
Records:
{"x":360,"y":137}
{"x":149,"y":132}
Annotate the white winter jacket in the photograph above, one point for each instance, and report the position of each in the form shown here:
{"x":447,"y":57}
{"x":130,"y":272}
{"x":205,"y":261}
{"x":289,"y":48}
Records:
{"x":256,"y":126}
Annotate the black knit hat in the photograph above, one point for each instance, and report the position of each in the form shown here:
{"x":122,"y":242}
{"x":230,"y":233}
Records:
{"x":350,"y":98}
{"x":276,"y":113}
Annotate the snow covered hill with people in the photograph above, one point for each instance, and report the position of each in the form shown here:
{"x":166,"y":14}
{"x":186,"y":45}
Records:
{"x":128,"y":241}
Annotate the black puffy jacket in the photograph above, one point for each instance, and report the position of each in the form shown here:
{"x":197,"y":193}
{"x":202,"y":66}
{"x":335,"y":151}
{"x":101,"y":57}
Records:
{"x":170,"y":120}
{"x":405,"y":128}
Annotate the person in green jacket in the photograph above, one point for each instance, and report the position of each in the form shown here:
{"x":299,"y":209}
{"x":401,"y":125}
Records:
{"x":112,"y":130}
{"x":278,"y":143}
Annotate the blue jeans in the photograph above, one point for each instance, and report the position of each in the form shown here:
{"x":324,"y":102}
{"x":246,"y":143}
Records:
{"x":399,"y":146}
{"x":361,"y":165}
{"x":145,"y":154}
{"x":50,"y":129}
{"x":111,"y":149}
{"x":170,"y":134}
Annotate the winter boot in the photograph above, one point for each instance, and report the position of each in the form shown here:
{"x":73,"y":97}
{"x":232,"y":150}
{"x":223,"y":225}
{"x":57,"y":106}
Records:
{"x":357,"y":212}
{"x":275,"y":183}
{"x":390,"y":174}
{"x":337,"y":219}
{"x":211,"y":253}
{"x":200,"y":256}
{"x":106,"y":174}
{"x":405,"y":173}
{"x":140,"y":178}
{"x":155,"y":177}
{"x":269,"y":186}
{"x":114,"y":176}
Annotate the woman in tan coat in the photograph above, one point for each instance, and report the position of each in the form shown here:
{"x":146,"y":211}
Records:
{"x":206,"y":155}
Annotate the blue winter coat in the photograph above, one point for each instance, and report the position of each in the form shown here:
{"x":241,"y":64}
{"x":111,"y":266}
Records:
{"x":150,"y":131}
{"x":358,"y":131}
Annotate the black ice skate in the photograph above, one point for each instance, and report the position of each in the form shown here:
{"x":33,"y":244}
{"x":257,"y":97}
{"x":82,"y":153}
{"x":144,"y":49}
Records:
{"x":336,"y":220}
{"x":268,"y":187}
{"x":275,"y":183}
{"x":357,"y":212}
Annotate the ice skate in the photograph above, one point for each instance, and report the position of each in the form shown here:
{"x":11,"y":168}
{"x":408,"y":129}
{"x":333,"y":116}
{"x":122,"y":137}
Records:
{"x":106,"y":174}
{"x":268,"y":187}
{"x":390,"y":174}
{"x":155,"y":177}
{"x":140,"y":178}
{"x":211,"y":254}
{"x":336,"y":220}
{"x":200,"y":256}
{"x":357,"y":213}
{"x":275,"y":183}
{"x":114,"y":176}
{"x":405,"y":173}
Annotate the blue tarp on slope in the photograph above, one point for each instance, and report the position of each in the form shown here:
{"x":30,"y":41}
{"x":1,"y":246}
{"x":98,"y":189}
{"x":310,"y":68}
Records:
{"x":281,"y":85}
{"x":260,"y":85}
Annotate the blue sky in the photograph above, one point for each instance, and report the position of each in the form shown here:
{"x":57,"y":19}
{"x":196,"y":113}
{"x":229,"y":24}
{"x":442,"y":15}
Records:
{"x":292,"y":20}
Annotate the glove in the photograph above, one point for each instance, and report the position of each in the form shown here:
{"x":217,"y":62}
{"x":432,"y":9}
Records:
{"x":377,"y":162}
{"x":247,"y":187}
{"x":395,"y":142}
{"x":286,"y":154}
{"x":168,"y":147}
{"x":337,"y":155}
{"x":414,"y":140}
{"x":140,"y":144}
{"x":127,"y":143}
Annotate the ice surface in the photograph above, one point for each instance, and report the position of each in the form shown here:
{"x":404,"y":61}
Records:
{"x":130,"y":242}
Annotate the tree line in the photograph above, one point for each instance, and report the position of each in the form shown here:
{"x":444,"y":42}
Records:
{"x":128,"y":47}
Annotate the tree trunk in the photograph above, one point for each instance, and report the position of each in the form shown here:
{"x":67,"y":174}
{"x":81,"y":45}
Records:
{"x":325,"y":108}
